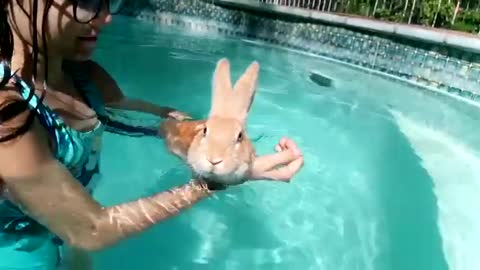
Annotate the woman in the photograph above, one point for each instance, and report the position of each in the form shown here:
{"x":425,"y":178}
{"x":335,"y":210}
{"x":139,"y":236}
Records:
{"x":50,"y":137}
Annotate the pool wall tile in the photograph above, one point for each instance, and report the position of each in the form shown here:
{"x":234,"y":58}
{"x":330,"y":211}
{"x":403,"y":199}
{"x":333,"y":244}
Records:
{"x":432,"y":65}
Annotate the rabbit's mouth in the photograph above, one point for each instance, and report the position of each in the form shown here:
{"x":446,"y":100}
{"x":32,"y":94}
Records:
{"x":222,"y":173}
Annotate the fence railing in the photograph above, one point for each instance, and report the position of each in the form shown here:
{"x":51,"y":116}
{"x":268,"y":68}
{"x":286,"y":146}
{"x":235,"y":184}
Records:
{"x":460,"y":15}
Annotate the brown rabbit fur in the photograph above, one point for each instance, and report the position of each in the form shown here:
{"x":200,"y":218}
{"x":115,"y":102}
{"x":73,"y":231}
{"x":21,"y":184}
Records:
{"x":219,"y":148}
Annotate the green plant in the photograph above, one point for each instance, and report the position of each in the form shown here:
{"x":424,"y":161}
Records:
{"x":464,"y":27}
{"x":468,"y":21}
{"x":433,"y":14}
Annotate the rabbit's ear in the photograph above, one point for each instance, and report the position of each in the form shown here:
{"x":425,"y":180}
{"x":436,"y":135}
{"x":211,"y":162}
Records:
{"x":222,"y":88}
{"x":244,"y":91}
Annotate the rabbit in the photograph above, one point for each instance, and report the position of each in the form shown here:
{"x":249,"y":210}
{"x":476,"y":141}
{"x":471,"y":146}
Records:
{"x":218,"y":149}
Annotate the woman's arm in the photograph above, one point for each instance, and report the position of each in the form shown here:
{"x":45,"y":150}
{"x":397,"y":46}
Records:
{"x":121,"y":109}
{"x":46,"y":191}
{"x":114,"y":97}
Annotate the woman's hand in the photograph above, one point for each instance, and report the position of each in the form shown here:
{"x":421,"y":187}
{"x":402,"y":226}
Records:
{"x":177,"y":115}
{"x":281,"y":166}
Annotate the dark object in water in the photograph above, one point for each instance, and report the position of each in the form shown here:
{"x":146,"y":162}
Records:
{"x":321,"y":80}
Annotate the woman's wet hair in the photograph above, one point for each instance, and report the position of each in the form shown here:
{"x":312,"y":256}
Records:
{"x":6,"y":36}
{"x":13,"y":107}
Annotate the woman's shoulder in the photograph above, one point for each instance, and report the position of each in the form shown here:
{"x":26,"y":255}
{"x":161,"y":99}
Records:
{"x":20,"y":135}
{"x":9,"y":92}
{"x":16,"y":117}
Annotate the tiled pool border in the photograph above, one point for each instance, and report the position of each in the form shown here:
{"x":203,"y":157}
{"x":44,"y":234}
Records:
{"x":454,"y":39}
{"x":447,"y":69}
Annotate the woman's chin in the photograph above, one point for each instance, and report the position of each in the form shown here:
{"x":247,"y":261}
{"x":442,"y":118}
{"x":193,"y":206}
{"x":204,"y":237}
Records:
{"x":85,"y":56}
{"x":83,"y":53}
{"x":82,"y":58}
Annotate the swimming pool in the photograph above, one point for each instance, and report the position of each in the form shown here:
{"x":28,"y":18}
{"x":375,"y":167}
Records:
{"x":390,"y":181}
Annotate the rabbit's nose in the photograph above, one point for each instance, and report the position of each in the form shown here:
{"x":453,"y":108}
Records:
{"x":215,"y":161}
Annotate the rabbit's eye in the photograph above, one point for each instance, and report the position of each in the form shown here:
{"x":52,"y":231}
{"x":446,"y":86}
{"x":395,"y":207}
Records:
{"x":204,"y":131}
{"x":240,"y":137}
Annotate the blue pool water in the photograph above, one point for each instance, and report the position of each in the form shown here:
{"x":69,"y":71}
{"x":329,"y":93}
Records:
{"x":391,"y":177}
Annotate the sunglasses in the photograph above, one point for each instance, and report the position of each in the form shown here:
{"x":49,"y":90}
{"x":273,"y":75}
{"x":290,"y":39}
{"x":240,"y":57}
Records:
{"x":85,"y":11}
